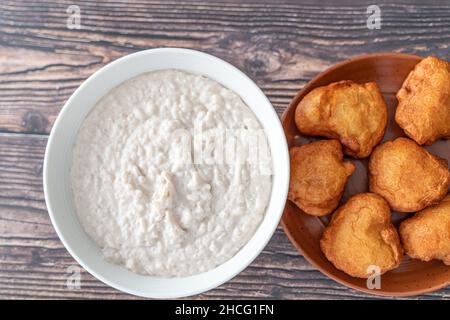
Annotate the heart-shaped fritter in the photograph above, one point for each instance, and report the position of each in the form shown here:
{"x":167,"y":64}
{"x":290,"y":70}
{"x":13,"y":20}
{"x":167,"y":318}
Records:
{"x":361,"y":239}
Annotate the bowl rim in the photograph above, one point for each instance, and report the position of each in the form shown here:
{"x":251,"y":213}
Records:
{"x":275,"y":215}
{"x":294,"y":102}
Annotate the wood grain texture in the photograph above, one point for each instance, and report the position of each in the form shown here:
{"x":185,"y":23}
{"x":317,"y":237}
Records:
{"x":280,"y":45}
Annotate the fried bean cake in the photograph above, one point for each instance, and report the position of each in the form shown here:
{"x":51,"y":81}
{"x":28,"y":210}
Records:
{"x":423,"y":110}
{"x":426,"y":236}
{"x":361,"y":236}
{"x":353,"y":113}
{"x":318,"y":176}
{"x":407,"y":176}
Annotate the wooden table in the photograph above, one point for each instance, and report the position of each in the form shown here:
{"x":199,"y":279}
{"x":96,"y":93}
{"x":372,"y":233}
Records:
{"x":281,"y":46}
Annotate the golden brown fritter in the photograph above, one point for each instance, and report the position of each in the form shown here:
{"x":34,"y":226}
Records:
{"x":318,"y":176}
{"x":407,"y":176}
{"x":355,"y":114}
{"x":361,"y":235}
{"x":424,"y":102}
{"x":426,"y":236}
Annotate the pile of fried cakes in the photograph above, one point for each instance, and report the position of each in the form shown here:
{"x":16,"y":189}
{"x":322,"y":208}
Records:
{"x":403,"y":176}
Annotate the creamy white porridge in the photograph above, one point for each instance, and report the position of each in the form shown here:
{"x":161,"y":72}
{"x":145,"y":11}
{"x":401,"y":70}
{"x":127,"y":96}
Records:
{"x":153,"y":185}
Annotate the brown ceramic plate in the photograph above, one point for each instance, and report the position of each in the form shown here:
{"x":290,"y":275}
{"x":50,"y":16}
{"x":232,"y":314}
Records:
{"x":413,"y":277}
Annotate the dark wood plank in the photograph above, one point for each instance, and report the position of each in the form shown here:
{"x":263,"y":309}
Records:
{"x":281,"y":45}
{"x":34,"y":263}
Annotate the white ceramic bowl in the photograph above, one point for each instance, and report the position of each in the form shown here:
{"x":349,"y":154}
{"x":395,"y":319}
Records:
{"x":58,"y":194}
